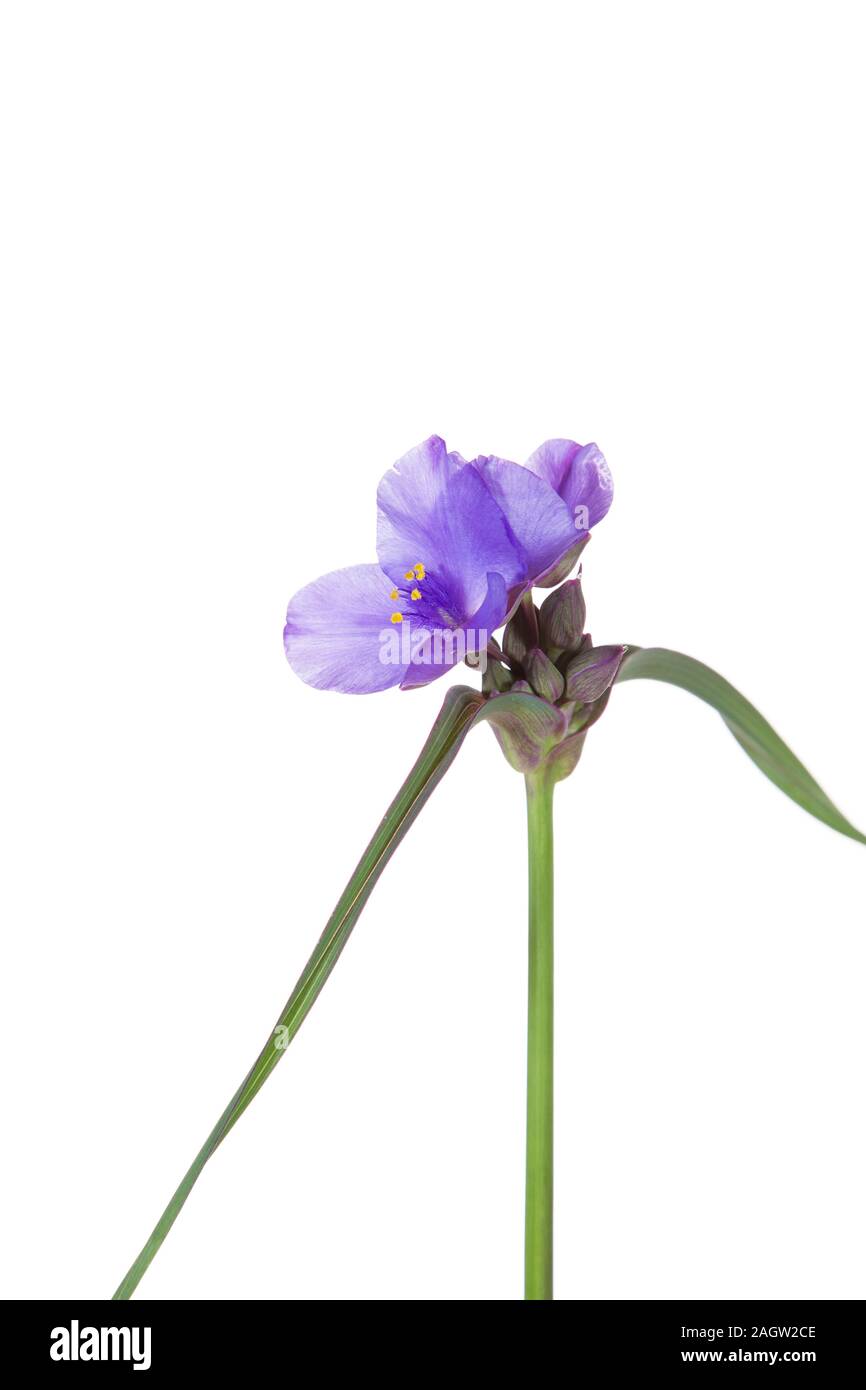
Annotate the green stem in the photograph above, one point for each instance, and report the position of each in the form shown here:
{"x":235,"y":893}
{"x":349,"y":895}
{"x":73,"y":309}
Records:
{"x":539,"y":1074}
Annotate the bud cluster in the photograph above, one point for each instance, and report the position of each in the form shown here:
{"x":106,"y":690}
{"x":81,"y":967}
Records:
{"x":546,"y":654}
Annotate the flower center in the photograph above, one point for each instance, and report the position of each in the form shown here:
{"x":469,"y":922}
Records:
{"x":419,"y":597}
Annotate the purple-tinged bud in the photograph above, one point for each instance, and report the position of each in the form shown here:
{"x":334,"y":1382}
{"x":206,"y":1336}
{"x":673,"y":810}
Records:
{"x":543,"y":676}
{"x":496,"y":677}
{"x":562,"y":617}
{"x":590,"y":674}
{"x":521,"y":631}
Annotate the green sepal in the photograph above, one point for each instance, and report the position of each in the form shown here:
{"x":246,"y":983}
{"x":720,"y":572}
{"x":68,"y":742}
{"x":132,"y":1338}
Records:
{"x":563,"y":567}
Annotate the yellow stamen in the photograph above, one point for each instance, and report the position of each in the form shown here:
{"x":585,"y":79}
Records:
{"x":410,"y":574}
{"x":396,"y":617}
{"x":420,"y":571}
{"x":416,"y":594}
{"x":394,"y":595}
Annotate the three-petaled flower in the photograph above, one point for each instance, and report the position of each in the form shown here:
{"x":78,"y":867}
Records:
{"x":459,"y":542}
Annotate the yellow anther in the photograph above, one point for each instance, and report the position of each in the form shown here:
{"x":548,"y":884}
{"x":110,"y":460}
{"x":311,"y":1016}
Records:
{"x":396,"y":617}
{"x":416,"y":594}
{"x":410,"y":574}
{"x":420,"y":571}
{"x":394,"y":596}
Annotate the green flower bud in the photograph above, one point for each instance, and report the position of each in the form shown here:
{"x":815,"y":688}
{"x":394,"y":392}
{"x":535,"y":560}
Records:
{"x":543,"y":676}
{"x":521,"y":632}
{"x":562,"y":617}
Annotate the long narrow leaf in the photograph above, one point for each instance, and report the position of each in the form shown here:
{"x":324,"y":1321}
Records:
{"x":749,"y":728}
{"x":454,"y":720}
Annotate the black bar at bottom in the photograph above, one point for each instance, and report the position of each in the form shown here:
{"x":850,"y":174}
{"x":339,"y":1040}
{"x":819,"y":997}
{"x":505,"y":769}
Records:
{"x":606,"y":1338}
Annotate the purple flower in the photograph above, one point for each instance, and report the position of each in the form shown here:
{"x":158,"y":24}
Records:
{"x":579,"y":474}
{"x":459,"y":543}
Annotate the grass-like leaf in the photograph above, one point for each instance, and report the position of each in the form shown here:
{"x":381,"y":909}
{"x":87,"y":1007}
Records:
{"x":749,"y":728}
{"x":454,"y":721}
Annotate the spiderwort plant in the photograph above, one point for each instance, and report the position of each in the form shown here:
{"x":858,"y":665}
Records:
{"x":461,"y":545}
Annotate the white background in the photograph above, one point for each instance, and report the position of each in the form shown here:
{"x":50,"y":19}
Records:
{"x":251,"y":254}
